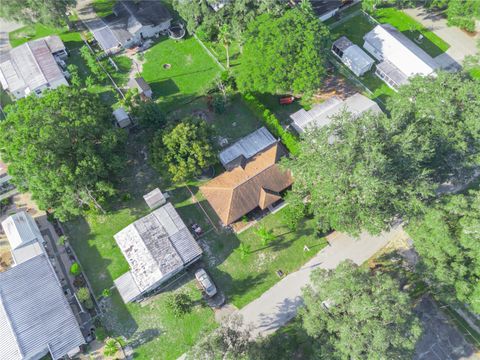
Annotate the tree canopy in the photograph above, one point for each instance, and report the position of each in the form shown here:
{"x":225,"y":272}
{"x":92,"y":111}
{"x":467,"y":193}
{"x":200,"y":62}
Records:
{"x":447,"y":238}
{"x":47,"y":12}
{"x":184,"y":149}
{"x":63,"y":149}
{"x":355,"y":314}
{"x":363,"y":173}
{"x":203,"y":20}
{"x":284,"y":54}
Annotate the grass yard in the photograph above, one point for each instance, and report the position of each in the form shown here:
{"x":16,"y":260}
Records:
{"x":411,"y":28}
{"x":71,"y":39}
{"x":191,"y":70}
{"x":103,"y":7}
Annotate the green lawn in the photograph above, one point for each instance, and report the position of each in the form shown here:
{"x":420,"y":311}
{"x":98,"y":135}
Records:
{"x":431,"y":43}
{"x":71,"y":39}
{"x":191,"y":70}
{"x":355,"y":29}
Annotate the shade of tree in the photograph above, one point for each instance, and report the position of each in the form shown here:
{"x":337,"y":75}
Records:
{"x":461,"y":13}
{"x":149,"y":115}
{"x":353,"y":313}
{"x":232,"y":341}
{"x":47,"y":12}
{"x":447,"y":238}
{"x":63,"y":149}
{"x":184,"y":149}
{"x":284,"y":54}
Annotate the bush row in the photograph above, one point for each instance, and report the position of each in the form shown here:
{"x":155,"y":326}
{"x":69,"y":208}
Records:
{"x":272,"y":123}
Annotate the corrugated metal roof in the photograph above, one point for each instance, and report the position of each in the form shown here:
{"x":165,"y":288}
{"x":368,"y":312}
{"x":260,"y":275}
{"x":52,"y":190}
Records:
{"x":248,"y":146}
{"x":21,"y":230}
{"x":322,"y":114}
{"x":157,"y":245}
{"x":356,"y":57}
{"x":402,"y":52}
{"x":34,"y":313}
{"x":27,"y":252}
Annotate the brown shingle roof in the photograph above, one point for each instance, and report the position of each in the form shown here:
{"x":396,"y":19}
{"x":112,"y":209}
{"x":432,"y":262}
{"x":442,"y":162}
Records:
{"x":257,"y":183}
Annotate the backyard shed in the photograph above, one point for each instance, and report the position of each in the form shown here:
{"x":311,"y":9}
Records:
{"x":155,"y":198}
{"x":122,"y":118}
{"x":142,"y":86}
{"x":156,"y":247}
{"x":352,"y":56}
{"x":35,"y":317}
{"x":246,"y":148}
{"x":322,"y":114}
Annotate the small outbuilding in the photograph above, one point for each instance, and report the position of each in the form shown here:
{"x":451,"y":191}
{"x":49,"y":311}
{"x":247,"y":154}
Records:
{"x":139,"y":83}
{"x":155,"y":199}
{"x":122,"y":118}
{"x":352,"y":56}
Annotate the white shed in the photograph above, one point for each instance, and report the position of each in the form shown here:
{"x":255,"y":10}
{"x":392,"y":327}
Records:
{"x":352,"y":56}
{"x":155,"y":198}
{"x":122,"y":118}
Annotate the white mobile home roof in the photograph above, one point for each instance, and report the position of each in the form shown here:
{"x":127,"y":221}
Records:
{"x":35,"y":317}
{"x":322,"y":114}
{"x":21,"y":230}
{"x":400,"y":51}
{"x":156,"y":246}
{"x":248,"y":146}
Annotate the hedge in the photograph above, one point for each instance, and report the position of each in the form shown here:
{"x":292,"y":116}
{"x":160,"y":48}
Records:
{"x":272,"y":123}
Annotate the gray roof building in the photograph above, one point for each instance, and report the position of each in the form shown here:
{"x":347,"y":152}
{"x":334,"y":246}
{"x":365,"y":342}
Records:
{"x":35,"y":317}
{"x":246,"y":148}
{"x":322,"y":114}
{"x":24,"y":236}
{"x":156,"y":247}
{"x":352,"y":56}
{"x":130,"y":21}
{"x":32,"y":67}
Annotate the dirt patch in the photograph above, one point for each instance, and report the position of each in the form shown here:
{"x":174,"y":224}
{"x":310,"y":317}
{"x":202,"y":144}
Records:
{"x":334,"y":86}
{"x":224,"y":312}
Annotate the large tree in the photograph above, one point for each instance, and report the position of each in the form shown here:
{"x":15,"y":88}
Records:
{"x":48,"y":12}
{"x":284,"y":54}
{"x":363,"y":173}
{"x":63,"y":149}
{"x":355,"y":314}
{"x":184,"y":149}
{"x":447,"y":237}
{"x":348,"y":174}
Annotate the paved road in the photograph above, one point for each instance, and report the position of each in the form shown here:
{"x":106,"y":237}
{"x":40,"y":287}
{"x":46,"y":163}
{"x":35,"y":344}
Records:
{"x":279,"y":304}
{"x":461,"y":44}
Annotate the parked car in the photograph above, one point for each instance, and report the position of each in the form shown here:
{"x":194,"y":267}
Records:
{"x":205,"y":282}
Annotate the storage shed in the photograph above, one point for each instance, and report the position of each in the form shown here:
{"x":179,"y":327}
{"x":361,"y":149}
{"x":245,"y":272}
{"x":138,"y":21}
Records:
{"x":142,"y":86}
{"x":155,"y":199}
{"x":122,"y":118}
{"x":352,"y":56}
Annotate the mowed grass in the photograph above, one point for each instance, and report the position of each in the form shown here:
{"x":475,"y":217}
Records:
{"x":190,"y":73}
{"x":103,"y":7}
{"x":432,"y":44}
{"x":71,"y":39}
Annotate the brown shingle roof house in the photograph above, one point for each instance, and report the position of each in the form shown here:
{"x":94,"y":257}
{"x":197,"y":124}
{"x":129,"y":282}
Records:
{"x":256,"y":183}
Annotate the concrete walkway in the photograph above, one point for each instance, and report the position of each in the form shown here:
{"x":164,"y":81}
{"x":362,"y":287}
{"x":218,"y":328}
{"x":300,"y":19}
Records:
{"x":461,"y":44}
{"x":279,"y":304}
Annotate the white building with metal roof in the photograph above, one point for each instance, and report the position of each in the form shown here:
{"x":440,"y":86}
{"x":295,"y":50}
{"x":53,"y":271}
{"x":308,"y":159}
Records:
{"x":24,"y":237}
{"x":400,"y":58}
{"x":33,"y":67}
{"x":156,"y":247}
{"x":322,"y":114}
{"x":246,"y":148}
{"x":35,"y":317}
{"x":352,"y":56}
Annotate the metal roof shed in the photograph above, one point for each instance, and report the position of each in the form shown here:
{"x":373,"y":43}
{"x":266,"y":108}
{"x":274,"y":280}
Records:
{"x":122,"y":118}
{"x":155,"y":198}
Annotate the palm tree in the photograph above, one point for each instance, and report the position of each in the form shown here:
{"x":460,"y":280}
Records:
{"x":225,"y":37}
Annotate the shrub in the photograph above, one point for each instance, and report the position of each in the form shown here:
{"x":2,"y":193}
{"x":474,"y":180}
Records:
{"x":75,"y":269}
{"x":266,"y":235}
{"x":84,"y":297}
{"x":179,"y":304}
{"x":243,"y":250}
{"x":100,"y":333}
{"x":272,"y":123}
{"x":106,"y":293}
